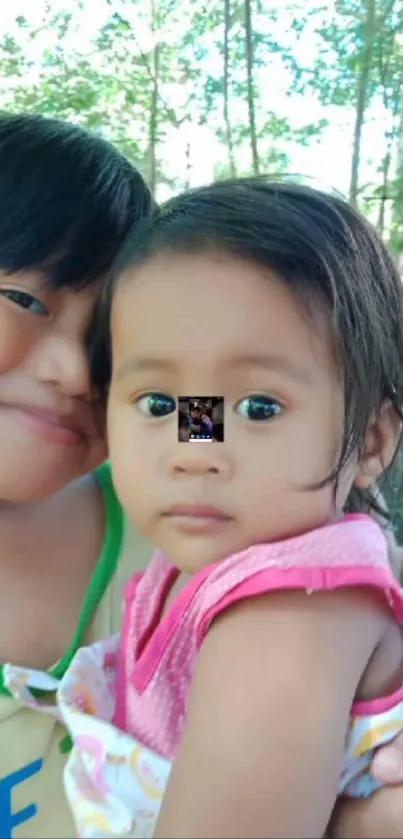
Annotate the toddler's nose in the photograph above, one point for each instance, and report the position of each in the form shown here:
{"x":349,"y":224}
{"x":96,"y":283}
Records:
{"x":200,"y":458}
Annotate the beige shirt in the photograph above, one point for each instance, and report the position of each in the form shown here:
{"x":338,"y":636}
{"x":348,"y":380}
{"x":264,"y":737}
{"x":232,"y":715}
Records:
{"x":32,"y":800}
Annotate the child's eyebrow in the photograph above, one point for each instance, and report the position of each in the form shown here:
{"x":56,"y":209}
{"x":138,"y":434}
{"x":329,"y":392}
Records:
{"x":279,"y":363}
{"x":139,"y":365}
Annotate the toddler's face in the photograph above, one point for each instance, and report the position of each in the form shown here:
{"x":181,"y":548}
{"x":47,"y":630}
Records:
{"x":275,"y":366}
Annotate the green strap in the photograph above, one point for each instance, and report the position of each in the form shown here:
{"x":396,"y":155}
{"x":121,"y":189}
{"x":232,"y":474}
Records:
{"x":102,"y":575}
{"x":104,"y":570}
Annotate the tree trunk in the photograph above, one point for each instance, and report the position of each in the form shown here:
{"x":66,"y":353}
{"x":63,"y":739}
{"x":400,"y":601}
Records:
{"x":188,"y":166}
{"x":230,"y":147}
{"x":153,"y":118}
{"x":362,"y":97}
{"x":250,"y":86}
{"x":397,"y":206}
{"x":386,"y":163}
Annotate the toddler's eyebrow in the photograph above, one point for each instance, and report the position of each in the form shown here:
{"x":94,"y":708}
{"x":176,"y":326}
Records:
{"x":139,"y":365}
{"x":278,"y":363}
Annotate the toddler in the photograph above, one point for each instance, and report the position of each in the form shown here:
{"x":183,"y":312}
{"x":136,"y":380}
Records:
{"x":260,"y":655}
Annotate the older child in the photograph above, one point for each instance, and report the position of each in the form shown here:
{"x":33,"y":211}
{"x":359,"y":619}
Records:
{"x":68,"y":199}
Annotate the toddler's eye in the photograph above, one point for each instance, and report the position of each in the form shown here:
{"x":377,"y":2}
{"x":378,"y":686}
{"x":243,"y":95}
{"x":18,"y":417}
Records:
{"x":156,"y":404}
{"x":24,"y":301}
{"x":258,"y":407}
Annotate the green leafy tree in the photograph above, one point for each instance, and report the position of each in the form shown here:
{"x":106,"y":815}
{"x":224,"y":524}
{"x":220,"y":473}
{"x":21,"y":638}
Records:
{"x":359,"y":65}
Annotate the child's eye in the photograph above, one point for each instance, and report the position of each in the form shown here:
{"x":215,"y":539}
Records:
{"x":258,"y":407}
{"x":25,"y":301}
{"x":156,"y":404}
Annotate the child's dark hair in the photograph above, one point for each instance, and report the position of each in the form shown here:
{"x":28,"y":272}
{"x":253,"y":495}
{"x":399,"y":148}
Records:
{"x":322,"y":249}
{"x":68,"y":199}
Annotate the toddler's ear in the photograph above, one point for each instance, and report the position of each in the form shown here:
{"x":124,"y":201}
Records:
{"x":381,"y":441}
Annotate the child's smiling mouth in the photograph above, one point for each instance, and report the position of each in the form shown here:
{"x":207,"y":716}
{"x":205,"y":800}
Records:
{"x":49,"y":425}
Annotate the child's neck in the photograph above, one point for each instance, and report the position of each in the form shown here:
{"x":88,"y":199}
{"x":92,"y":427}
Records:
{"x":48,"y":551}
{"x":16,"y":522}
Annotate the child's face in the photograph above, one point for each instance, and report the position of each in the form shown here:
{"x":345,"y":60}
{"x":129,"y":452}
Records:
{"x":48,"y":433}
{"x":262,"y":344}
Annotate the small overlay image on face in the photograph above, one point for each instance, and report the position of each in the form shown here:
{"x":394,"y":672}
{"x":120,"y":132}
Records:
{"x":201,"y":419}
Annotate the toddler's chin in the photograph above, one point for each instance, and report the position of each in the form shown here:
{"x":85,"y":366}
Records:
{"x":192,"y":554}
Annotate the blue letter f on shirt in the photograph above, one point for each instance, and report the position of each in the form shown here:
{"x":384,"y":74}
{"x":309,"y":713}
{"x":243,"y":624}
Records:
{"x":8,"y":819}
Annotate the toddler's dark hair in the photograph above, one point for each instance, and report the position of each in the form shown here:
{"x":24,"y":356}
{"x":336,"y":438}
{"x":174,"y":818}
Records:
{"x":322,"y":249}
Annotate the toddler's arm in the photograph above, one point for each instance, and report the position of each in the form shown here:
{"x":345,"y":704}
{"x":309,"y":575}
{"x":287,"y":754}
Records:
{"x":378,"y":817}
{"x":381,"y":814}
{"x":264,"y":739}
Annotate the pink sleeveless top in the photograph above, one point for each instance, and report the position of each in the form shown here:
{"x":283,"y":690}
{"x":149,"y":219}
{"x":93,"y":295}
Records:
{"x":157,"y":658}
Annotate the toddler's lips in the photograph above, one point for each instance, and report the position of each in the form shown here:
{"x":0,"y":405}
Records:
{"x":198,"y":518}
{"x":198,"y":511}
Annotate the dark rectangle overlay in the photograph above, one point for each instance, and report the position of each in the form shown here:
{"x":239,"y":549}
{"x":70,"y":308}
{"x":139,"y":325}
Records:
{"x":201,"y":419}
